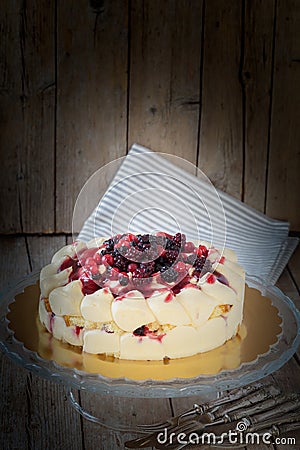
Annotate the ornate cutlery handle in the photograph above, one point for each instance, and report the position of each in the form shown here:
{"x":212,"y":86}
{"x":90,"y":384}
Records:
{"x":234,"y":395}
{"x":282,"y":422}
{"x":285,"y":428}
{"x":291,"y":403}
{"x":252,"y":399}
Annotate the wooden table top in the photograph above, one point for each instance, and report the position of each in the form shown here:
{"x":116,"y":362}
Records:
{"x":35,"y":413}
{"x":215,"y":82}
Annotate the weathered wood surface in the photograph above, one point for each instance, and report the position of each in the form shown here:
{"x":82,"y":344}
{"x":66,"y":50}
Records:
{"x":27,"y":105}
{"x":91,"y":95}
{"x":256,"y":78}
{"x":221,"y":149}
{"x":213,"y":81}
{"x":34,"y":412}
{"x":165,"y":74}
{"x":283,"y":179}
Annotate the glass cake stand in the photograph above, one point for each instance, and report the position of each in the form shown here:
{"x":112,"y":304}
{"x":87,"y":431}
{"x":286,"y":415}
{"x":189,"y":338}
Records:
{"x":263,"y":361}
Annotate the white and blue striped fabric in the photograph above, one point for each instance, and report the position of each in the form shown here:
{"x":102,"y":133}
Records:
{"x":159,"y":192}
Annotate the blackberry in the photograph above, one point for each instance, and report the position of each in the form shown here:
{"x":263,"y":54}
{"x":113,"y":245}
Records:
{"x":160,"y":265}
{"x":148,"y":255}
{"x":123,"y":249}
{"x":147,"y":268}
{"x":120,"y":262}
{"x":109,"y":244}
{"x":163,"y":268}
{"x":169,"y":275}
{"x":144,"y":238}
{"x":141,"y":331}
{"x":179,"y":240}
{"x":171,"y":245}
{"x":202,"y":268}
{"x":199,"y":263}
{"x":170,"y":256}
{"x":143,"y":246}
{"x":132,"y":254}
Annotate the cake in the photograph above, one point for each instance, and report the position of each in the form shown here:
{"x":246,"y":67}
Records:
{"x":142,"y":297}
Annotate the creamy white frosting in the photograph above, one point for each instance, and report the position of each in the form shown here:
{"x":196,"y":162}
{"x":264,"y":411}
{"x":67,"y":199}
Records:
{"x":217,"y":290}
{"x":212,"y":334}
{"x":167,"y":309}
{"x":181,"y":341}
{"x":198,"y":305}
{"x":66,"y":300}
{"x":100,"y":341}
{"x":96,"y":307}
{"x":234,"y":319}
{"x":236,"y":282}
{"x":58,"y":327}
{"x":72,"y":336}
{"x":131,"y":311}
{"x":140,"y":347}
{"x":44,"y":315}
{"x":50,"y":279}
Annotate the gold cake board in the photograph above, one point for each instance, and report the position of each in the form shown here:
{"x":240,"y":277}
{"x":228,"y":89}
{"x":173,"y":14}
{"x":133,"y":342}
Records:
{"x":259,"y":331}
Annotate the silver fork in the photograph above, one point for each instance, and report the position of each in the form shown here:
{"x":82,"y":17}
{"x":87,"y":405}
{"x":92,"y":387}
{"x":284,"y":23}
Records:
{"x":256,"y":418}
{"x":278,"y":427}
{"x":199,"y":410}
{"x":264,"y":405}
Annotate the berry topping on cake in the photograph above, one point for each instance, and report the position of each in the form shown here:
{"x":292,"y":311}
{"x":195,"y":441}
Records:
{"x":143,"y":261}
{"x":142,"y":296}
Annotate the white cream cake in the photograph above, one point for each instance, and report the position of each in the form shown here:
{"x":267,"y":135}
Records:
{"x":142,"y":297}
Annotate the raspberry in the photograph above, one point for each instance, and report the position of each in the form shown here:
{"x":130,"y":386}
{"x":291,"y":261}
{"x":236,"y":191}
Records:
{"x":180,"y":267}
{"x":114,"y":273}
{"x":211,"y":279}
{"x":189,"y":247}
{"x":201,"y":251}
{"x":108,"y":260}
{"x":132,"y":267}
{"x":94,"y":270}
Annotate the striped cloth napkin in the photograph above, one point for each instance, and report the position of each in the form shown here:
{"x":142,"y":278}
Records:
{"x":158,"y":192}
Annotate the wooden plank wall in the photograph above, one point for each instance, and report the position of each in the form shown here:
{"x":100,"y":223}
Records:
{"x":216,"y":82}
